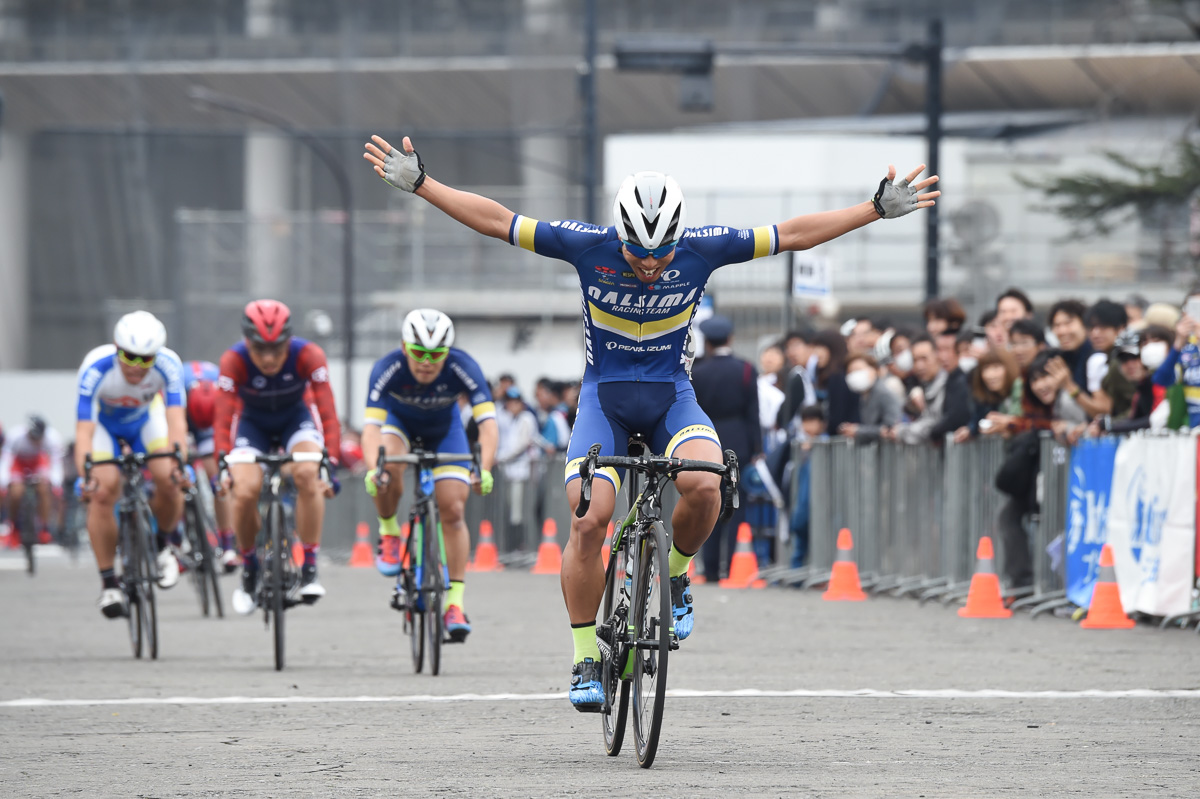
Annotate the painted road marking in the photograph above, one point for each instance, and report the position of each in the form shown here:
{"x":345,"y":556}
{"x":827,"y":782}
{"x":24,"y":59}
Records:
{"x":747,"y":693}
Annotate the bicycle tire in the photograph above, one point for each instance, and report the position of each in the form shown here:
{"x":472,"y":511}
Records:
{"x":436,"y":585}
{"x":193,"y":531}
{"x":614,"y":717}
{"x":131,"y":567}
{"x":211,"y":568}
{"x":28,"y":525}
{"x":147,"y":601}
{"x":652,"y":635}
{"x":414,"y":615}
{"x":277,"y":588}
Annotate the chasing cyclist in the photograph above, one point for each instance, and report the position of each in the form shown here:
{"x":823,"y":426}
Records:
{"x":121,"y":401}
{"x":200,"y":383}
{"x":642,"y":279}
{"x":413,"y":396}
{"x":261,"y":405}
{"x":32,"y":453}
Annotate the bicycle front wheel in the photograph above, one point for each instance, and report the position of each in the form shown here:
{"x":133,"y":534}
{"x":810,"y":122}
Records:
{"x":211,"y":568}
{"x":277,"y":589}
{"x":147,"y":551}
{"x":615,"y":612}
{"x":193,"y":532}
{"x":131,"y":576}
{"x":436,"y":586}
{"x":652,"y":640}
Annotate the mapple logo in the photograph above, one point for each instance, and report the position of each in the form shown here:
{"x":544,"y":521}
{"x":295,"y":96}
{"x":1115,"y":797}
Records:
{"x":605,"y":270}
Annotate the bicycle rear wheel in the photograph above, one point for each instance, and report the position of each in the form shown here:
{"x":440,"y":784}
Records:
{"x":208,"y":557}
{"x":615,"y":613}
{"x":435,"y":583}
{"x":652,"y":641}
{"x":193,"y":531}
{"x":277,"y":589}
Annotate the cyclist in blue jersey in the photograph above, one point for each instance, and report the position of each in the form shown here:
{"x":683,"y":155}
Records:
{"x":131,"y":394}
{"x":642,"y":278}
{"x":413,"y":396}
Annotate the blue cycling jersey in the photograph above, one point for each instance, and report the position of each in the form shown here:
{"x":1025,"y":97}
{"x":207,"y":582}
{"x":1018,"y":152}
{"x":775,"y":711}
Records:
{"x":426,"y":409}
{"x":634,"y":331}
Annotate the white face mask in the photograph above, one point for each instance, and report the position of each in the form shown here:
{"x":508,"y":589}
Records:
{"x":904,"y":361}
{"x":967,"y":363}
{"x":860,"y":381}
{"x":1154,"y":353}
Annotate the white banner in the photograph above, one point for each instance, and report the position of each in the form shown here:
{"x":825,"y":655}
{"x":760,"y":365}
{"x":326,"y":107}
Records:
{"x":1152,"y":523}
{"x":812,"y":278}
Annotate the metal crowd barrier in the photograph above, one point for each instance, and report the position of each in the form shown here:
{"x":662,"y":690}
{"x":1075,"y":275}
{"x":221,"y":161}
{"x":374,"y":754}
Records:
{"x":917,"y":512}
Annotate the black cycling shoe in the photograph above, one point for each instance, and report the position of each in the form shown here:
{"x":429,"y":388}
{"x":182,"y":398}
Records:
{"x":310,"y":588}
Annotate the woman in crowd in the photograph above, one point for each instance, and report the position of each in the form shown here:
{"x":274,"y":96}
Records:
{"x":833,"y":395}
{"x":996,"y":387}
{"x":942,"y":315}
{"x":1044,"y":403}
{"x":878,"y":406}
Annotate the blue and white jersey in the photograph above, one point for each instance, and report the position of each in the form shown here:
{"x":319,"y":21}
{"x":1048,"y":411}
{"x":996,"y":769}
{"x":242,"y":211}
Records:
{"x":394,"y":390}
{"x":106,"y":396}
{"x":635,"y":331}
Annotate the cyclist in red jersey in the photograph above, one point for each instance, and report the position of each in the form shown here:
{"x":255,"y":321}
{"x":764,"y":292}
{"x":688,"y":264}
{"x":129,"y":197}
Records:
{"x":274,"y":392}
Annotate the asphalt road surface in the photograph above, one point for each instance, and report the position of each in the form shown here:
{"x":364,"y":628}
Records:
{"x":775,"y":694}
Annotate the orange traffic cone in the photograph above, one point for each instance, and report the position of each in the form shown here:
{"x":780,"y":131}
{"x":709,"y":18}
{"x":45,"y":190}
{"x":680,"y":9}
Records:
{"x":743,"y":568}
{"x":360,"y":555}
{"x":297,"y":553}
{"x":1106,"y":612}
{"x":549,"y":556}
{"x":486,"y":559}
{"x":983,"y":597}
{"x":606,"y":552}
{"x":843,"y":581}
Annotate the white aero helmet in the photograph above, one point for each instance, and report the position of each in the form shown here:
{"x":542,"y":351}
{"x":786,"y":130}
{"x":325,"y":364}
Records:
{"x":140,"y":333}
{"x":428,"y":328}
{"x":649,"y":210}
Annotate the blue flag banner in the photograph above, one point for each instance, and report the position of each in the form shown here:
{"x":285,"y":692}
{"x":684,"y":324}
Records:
{"x":1087,"y":514}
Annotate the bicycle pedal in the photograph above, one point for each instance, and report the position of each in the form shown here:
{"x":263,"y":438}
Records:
{"x":595,"y":707}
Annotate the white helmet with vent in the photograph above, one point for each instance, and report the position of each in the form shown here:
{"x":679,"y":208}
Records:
{"x":140,"y":333}
{"x":649,"y":210}
{"x":428,"y":328}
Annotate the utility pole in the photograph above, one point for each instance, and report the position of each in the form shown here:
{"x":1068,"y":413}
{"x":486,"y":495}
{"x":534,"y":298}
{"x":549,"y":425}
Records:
{"x":933,"y":137}
{"x":587,"y":87}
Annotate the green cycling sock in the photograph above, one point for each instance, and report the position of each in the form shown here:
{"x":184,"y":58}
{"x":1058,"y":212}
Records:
{"x":677,"y":562}
{"x":585,"y":642}
{"x":455,"y":595}
{"x":388,"y":526}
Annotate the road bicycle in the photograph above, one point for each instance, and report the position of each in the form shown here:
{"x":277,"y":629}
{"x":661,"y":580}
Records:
{"x":424,"y":579}
{"x":27,"y":521}
{"x":637,"y":632}
{"x":279,"y":581}
{"x":137,"y":548}
{"x":198,"y":556}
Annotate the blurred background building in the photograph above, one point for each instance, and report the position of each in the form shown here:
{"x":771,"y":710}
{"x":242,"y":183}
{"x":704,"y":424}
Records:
{"x":122,"y":187}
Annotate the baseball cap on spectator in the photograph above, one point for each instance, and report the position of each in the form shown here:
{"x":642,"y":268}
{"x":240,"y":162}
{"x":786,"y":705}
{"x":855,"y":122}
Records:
{"x":1127,"y":345}
{"x":1162,"y":314}
{"x":512,"y":392}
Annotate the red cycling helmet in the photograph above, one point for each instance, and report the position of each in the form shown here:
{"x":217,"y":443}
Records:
{"x":267,"y":322}
{"x":202,"y":405}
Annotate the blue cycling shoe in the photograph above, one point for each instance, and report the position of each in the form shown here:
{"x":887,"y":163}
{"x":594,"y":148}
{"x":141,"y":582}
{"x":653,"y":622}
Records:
{"x":681,"y":606}
{"x":587,"y":692}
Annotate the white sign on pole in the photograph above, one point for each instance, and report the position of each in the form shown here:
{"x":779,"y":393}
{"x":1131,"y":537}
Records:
{"x":812,"y":277}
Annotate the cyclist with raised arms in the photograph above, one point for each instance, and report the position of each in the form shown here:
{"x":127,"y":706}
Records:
{"x":32,"y":450}
{"x":642,"y":279}
{"x":260,"y":406}
{"x":200,"y":383}
{"x":413,"y":396}
{"x":130,"y":392}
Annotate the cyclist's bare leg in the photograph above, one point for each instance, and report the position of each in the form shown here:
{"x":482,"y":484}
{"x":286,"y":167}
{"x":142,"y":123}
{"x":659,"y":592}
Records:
{"x":167,"y":502}
{"x":387,"y":497}
{"x":247,"y":485}
{"x":582,"y":575}
{"x":16,"y":492}
{"x":699,"y":496}
{"x":43,"y":506}
{"x":310,"y":495}
{"x":220,"y":503}
{"x":101,"y":523}
{"x":451,"y":499}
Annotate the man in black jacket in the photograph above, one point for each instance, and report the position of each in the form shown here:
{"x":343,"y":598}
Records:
{"x":944,"y":403}
{"x":727,"y":390}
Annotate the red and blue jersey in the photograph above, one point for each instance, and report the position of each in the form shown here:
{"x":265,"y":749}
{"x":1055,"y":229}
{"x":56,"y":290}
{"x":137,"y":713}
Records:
{"x":244,"y":390}
{"x":635,"y":331}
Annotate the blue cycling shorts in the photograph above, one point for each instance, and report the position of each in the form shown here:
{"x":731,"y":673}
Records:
{"x":443,"y":438}
{"x":667,"y":414}
{"x":261,"y":431}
